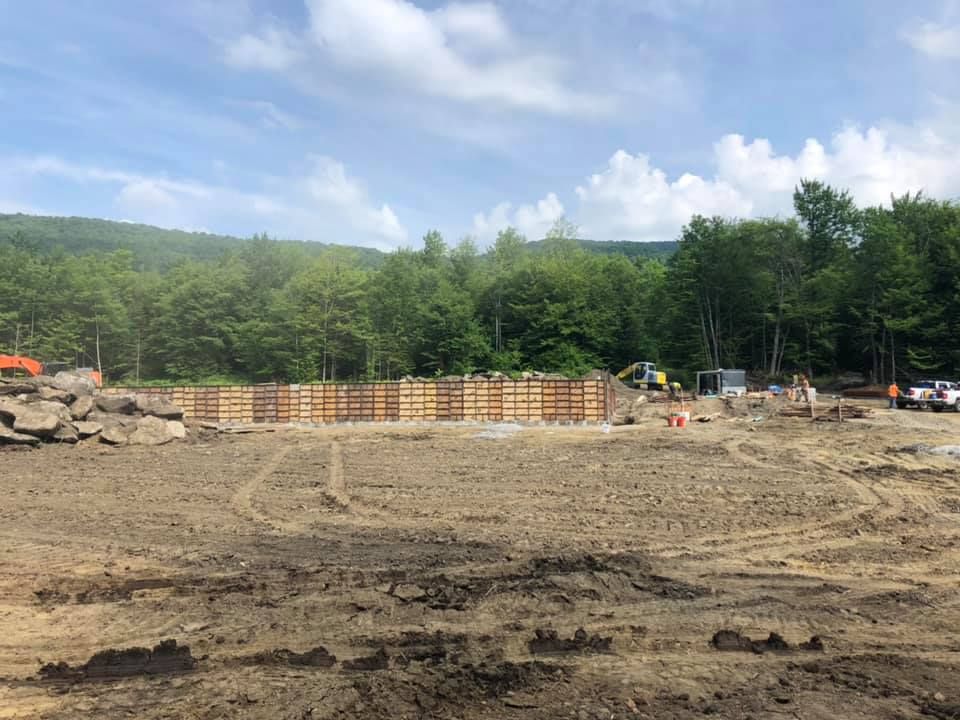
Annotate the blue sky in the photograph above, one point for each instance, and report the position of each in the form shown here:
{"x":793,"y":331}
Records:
{"x":371,"y":121}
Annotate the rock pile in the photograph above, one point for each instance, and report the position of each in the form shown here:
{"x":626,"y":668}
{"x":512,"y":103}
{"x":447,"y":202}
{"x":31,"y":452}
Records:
{"x":67,"y":409}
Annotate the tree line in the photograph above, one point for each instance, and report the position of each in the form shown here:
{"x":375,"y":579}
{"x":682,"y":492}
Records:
{"x":835,"y":289}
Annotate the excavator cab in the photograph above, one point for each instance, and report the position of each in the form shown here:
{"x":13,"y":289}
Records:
{"x":644,"y":375}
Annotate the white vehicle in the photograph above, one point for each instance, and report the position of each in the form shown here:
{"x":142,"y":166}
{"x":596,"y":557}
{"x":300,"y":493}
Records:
{"x":919,"y":395}
{"x":946,"y":398}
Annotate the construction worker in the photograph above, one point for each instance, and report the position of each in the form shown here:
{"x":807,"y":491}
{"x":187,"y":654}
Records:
{"x":893,"y":392}
{"x":676,"y":391}
{"x":805,"y":385}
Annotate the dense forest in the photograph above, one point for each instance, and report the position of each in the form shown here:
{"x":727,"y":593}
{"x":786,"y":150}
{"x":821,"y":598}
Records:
{"x":837,"y":288}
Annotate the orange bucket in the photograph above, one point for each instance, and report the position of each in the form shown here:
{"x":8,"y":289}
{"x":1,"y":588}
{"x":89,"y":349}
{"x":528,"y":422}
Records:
{"x":672,"y":421}
{"x":681,"y":421}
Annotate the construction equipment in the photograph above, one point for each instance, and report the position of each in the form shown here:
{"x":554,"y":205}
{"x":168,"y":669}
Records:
{"x":643,"y":375}
{"x":34,"y":367}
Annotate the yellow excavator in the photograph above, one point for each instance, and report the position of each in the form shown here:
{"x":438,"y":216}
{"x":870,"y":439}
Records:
{"x":643,"y":375}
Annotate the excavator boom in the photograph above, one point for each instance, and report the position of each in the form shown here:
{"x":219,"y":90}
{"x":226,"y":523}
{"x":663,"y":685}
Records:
{"x":19,"y":362}
{"x":35,"y":367}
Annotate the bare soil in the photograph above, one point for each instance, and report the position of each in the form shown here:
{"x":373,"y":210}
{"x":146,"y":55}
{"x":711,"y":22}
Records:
{"x":743,"y":568}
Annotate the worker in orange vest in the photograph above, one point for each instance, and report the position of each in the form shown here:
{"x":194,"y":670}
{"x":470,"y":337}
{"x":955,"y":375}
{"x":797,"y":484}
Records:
{"x":893,"y":392}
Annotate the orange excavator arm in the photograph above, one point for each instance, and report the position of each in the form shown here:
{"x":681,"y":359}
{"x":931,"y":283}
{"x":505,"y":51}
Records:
{"x":19,"y":362}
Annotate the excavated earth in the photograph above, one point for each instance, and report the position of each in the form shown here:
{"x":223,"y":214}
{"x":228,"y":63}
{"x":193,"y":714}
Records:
{"x":742,"y":568}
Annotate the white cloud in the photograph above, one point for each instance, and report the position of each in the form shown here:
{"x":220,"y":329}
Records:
{"x":272,"y":48}
{"x":417,"y":49}
{"x":330,"y":186}
{"x":938,"y":40}
{"x":147,"y":200}
{"x":323,"y":203}
{"x":463,"y":51}
{"x":631,"y":199}
{"x":478,"y":25}
{"x":532,"y":220}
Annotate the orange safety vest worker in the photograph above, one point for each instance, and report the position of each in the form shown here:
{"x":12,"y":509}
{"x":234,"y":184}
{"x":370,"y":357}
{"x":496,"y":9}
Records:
{"x":893,"y":391}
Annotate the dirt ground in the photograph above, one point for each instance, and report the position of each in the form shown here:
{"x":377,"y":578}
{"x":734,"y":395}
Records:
{"x":463,"y":572}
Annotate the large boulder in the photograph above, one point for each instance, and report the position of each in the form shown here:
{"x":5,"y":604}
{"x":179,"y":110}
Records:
{"x":109,"y":420}
{"x":119,"y":404}
{"x":115,"y":435}
{"x":8,"y":409}
{"x":177,"y":429}
{"x":87,"y":429}
{"x":34,"y":421}
{"x":11,"y":437}
{"x":82,"y":407}
{"x":74,"y":383}
{"x":40,"y":418}
{"x":49,"y":406}
{"x":150,"y":431}
{"x":56,"y":395}
{"x":158,"y":407}
{"x":66,"y":433}
{"x":40,"y":381}
{"x":16,"y":387}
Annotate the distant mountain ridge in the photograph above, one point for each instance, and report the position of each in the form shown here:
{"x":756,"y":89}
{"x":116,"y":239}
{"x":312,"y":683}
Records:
{"x":153,"y":248}
{"x":661,"y":249}
{"x":159,"y":249}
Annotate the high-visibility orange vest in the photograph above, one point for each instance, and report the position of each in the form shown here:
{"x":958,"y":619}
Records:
{"x":893,"y":391}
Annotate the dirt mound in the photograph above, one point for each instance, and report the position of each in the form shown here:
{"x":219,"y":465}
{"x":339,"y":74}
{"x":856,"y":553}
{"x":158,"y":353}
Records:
{"x":166,"y":658}
{"x":548,"y":641}
{"x":316,"y":657}
{"x":670,"y":588}
{"x":378,"y":661}
{"x":563,"y":577}
{"x":730,"y":640}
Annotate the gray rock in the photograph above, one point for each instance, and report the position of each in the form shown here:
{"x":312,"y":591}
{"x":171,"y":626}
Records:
{"x":81,"y":407}
{"x":120,"y":404}
{"x":115,"y":435}
{"x":16,"y":388}
{"x":111,"y":420}
{"x":74,"y":383}
{"x":50,"y":406}
{"x":407,"y":592}
{"x":87,"y":429}
{"x":9,"y":437}
{"x":177,"y":429}
{"x":56,"y":395}
{"x":35,"y":422}
{"x":66,"y":433}
{"x":159,"y":407}
{"x":150,"y":431}
{"x":40,"y":381}
{"x":8,"y":409}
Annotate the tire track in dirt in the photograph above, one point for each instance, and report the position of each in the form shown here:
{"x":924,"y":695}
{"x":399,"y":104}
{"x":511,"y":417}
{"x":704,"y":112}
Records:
{"x":242,"y":500}
{"x":337,"y":486}
{"x":761,"y":543}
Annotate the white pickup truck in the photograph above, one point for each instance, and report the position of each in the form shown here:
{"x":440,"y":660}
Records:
{"x":920,"y":394}
{"x":948,"y":397}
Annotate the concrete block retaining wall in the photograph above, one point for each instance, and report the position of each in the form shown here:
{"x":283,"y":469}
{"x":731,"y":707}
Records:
{"x":523,"y":401}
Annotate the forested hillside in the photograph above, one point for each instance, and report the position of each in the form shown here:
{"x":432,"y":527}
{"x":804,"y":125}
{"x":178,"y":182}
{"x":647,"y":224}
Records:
{"x":871,"y":290}
{"x":152,"y":248}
